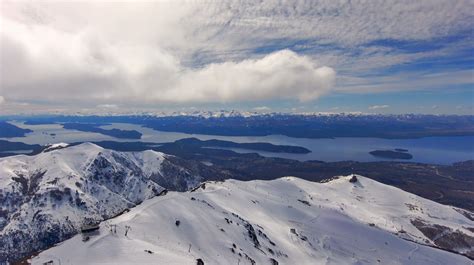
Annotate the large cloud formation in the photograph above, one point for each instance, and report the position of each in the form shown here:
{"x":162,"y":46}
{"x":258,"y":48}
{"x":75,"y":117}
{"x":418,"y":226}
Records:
{"x":282,"y":74}
{"x":44,"y":61}
{"x":108,"y":53}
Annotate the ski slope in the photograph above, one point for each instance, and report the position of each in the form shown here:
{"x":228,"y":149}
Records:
{"x":283,"y":221}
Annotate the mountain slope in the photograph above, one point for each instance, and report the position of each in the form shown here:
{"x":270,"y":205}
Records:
{"x":284,"y":221}
{"x":48,"y":197}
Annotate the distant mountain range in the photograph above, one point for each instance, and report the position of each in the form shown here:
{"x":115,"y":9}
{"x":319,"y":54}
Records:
{"x":292,"y":125}
{"x":216,"y":114}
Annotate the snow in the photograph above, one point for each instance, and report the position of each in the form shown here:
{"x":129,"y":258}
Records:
{"x":55,"y":146}
{"x":59,"y":190}
{"x":295,"y":222}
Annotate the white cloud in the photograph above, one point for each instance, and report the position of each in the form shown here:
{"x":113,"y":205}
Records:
{"x":120,"y":73}
{"x":341,"y":22}
{"x":151,"y":52}
{"x":280,"y":75}
{"x":2,"y":100}
{"x":107,"y":106}
{"x":262,"y":108}
{"x":404,"y":82}
{"x":375,"y":107}
{"x":84,"y":66}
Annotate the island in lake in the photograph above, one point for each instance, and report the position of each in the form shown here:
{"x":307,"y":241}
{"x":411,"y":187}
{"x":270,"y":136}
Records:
{"x":392,"y":154}
{"x":8,"y":148}
{"x":117,"y":133}
{"x":194,"y":145}
{"x":258,"y":146}
{"x":8,"y":130}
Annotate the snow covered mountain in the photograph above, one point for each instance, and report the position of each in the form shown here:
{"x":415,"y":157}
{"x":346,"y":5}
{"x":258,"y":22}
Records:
{"x":348,"y":220}
{"x":47,"y":198}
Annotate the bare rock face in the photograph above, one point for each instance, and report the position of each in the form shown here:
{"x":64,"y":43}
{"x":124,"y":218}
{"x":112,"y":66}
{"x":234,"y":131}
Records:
{"x":447,"y":238}
{"x":353,"y":179}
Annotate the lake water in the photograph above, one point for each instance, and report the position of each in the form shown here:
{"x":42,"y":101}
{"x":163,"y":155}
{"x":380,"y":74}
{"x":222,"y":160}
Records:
{"x":437,"y":150}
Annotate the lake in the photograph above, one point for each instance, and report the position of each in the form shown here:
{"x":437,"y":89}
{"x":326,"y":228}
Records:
{"x":436,"y":150}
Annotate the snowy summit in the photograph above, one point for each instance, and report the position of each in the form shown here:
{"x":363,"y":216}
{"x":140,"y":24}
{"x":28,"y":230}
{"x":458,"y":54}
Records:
{"x":348,"y":220}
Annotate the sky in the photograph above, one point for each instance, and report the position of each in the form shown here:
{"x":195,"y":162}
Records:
{"x":266,"y":56}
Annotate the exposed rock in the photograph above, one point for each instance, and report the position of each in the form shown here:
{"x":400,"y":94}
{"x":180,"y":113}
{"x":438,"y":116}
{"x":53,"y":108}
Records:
{"x":447,"y":238}
{"x":353,"y":179}
{"x":304,"y":202}
{"x":252,"y":234}
{"x":94,"y":183}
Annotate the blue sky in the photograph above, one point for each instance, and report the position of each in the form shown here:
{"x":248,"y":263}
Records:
{"x":297,"y":56}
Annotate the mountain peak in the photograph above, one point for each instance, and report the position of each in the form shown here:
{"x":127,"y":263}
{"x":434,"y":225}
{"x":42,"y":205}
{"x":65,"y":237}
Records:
{"x":49,"y":196}
{"x":282,"y":221}
{"x":87,"y":146}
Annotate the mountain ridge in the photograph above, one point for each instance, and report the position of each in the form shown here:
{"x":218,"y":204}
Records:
{"x":48,"y":197}
{"x":282,"y":221}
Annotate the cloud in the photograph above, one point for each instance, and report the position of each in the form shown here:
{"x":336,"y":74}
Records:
{"x":107,"y":106}
{"x":375,"y":107}
{"x":81,"y":67}
{"x":2,"y":100}
{"x":405,"y":81}
{"x":262,"y":108}
{"x":93,"y":71}
{"x":99,"y":53}
{"x":280,"y":75}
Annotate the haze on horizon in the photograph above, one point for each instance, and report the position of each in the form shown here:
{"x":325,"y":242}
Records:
{"x":301,"y":56}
